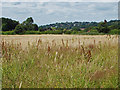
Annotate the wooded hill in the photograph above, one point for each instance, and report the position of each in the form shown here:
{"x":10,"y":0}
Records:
{"x":28,"y":26}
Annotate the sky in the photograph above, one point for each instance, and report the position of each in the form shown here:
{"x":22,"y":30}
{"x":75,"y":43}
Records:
{"x":51,"y":12}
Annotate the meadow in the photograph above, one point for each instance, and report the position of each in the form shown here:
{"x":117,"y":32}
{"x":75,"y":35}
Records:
{"x":59,"y":61}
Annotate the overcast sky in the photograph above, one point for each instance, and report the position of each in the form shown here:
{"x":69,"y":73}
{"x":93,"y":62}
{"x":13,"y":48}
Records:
{"x":52,"y":12}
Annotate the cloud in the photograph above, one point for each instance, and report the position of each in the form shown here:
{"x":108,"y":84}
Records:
{"x":16,"y":3}
{"x":60,"y":0}
{"x":50,"y":12}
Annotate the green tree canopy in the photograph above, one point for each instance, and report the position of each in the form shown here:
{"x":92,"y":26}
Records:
{"x":28,"y":21}
{"x":102,"y":27}
{"x":29,"y":26}
{"x":8,"y":24}
{"x":35,"y":27}
{"x":76,"y":29}
{"x":19,"y":29}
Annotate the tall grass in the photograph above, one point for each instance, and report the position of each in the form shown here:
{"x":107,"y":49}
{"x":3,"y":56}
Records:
{"x":47,"y":65}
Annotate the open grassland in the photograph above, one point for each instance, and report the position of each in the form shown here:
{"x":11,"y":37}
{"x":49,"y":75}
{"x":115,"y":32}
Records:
{"x":59,"y":61}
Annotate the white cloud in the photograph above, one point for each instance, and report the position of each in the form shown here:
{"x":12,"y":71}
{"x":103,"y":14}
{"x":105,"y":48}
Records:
{"x":0,"y":9}
{"x":60,"y":0}
{"x":49,"y":12}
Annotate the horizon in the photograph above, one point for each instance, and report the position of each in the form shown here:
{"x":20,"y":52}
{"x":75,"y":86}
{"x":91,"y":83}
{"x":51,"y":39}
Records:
{"x":62,"y":22}
{"x":45,"y":13}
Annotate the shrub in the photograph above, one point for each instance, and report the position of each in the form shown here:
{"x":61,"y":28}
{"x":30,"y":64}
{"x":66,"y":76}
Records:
{"x":114,"y":31}
{"x":52,"y":32}
{"x":103,"y":28}
{"x":19,"y":29}
{"x":74,"y":32}
{"x":0,"y":32}
{"x":68,"y":32}
{"x":91,"y":33}
{"x":32,"y":32}
{"x":8,"y":32}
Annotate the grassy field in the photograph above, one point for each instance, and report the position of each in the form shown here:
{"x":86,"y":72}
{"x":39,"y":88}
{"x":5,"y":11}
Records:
{"x":59,"y":61}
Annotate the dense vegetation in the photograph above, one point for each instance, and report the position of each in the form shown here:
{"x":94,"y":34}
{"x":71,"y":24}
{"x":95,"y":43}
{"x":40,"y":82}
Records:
{"x":60,"y":62}
{"x":10,"y":26}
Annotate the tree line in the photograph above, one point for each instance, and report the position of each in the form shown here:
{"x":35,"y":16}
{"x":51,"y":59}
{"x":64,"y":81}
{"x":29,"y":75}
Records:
{"x":28,"y":26}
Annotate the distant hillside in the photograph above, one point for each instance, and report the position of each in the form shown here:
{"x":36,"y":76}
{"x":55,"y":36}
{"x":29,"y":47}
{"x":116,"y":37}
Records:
{"x":70,"y":25}
{"x":28,"y":26}
{"x":76,"y":25}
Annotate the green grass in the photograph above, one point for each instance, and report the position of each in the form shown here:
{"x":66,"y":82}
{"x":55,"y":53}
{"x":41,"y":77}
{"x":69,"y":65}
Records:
{"x":49,"y":66}
{"x":92,"y":32}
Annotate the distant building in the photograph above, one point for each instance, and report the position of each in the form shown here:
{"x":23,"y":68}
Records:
{"x":82,"y":28}
{"x":88,"y":31}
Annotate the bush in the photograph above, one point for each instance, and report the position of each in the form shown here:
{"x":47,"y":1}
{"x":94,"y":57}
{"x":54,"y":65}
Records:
{"x":94,"y":31}
{"x":58,"y":32}
{"x":19,"y":29}
{"x":32,"y":32}
{"x":52,"y":32}
{"x":67,"y":32}
{"x":8,"y":32}
{"x":103,"y":28}
{"x":0,"y":32}
{"x":75,"y":32}
{"x":91,"y":33}
{"x":114,"y":31}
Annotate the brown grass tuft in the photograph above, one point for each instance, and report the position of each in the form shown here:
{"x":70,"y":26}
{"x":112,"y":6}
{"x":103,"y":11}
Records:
{"x":49,"y":48}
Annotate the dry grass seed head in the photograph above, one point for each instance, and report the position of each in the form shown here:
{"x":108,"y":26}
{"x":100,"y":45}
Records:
{"x":49,"y":48}
{"x":91,"y":46}
{"x":63,"y":42}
